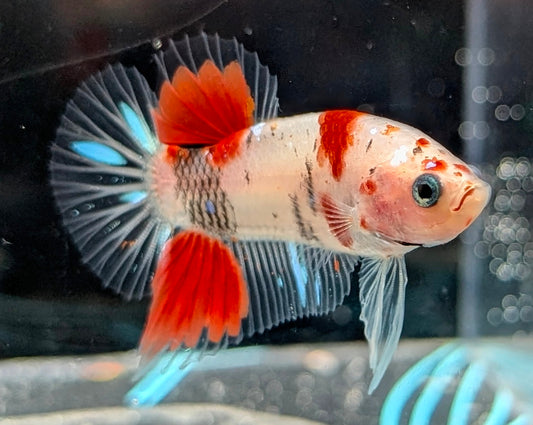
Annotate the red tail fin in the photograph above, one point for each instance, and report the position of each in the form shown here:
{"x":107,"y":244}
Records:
{"x":203,"y":109}
{"x":198,"y":284}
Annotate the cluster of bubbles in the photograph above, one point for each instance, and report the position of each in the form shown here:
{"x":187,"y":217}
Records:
{"x":481,"y":94}
{"x":512,"y":310}
{"x":507,"y":241}
{"x":465,"y":56}
{"x":469,"y":130}
{"x":507,"y":237}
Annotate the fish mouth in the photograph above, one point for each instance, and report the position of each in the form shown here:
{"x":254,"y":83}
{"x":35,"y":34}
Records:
{"x":467,"y":191}
{"x":479,"y":191}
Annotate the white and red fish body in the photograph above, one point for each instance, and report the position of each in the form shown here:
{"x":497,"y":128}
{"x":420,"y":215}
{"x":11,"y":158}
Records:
{"x":243,"y":219}
{"x":281,"y":177}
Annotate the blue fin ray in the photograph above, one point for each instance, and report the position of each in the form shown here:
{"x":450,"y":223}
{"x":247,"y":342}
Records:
{"x":98,"y":152}
{"x":313,"y":281}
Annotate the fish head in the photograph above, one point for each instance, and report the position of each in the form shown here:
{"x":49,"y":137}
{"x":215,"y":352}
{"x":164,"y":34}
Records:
{"x":419,"y":193}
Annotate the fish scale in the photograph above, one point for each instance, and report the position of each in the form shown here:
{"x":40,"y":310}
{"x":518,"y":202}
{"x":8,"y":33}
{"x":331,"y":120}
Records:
{"x":204,"y":200}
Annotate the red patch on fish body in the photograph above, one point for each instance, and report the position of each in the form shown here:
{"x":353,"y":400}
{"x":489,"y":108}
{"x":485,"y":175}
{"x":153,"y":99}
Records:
{"x":228,"y":148}
{"x":175,"y":152}
{"x":336,"y":135}
{"x":434,"y":164}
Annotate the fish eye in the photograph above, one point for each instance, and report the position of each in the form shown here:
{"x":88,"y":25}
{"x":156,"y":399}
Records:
{"x":426,"y":190}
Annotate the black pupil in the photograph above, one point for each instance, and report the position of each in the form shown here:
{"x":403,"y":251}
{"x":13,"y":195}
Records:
{"x":425,"y":191}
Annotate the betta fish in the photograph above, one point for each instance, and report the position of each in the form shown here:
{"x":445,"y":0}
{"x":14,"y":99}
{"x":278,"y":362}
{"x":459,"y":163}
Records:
{"x":234,"y":220}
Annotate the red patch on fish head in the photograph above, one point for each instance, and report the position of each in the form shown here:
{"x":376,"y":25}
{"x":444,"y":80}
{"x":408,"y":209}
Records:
{"x":462,"y":168}
{"x":390,"y":129}
{"x":336,"y":136}
{"x":368,"y":187}
{"x":434,"y":164}
{"x":422,"y":142}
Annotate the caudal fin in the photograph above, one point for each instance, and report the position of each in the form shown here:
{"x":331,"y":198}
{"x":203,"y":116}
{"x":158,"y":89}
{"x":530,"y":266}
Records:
{"x":100,"y":180}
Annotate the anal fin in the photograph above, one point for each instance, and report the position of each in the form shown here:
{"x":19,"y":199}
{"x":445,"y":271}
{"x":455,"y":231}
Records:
{"x":198,"y":293}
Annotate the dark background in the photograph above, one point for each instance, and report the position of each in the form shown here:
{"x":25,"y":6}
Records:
{"x":397,"y":57}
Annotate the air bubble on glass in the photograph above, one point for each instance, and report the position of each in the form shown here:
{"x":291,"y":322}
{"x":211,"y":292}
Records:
{"x":518,"y":200}
{"x":502,"y":112}
{"x":504,"y":272}
{"x":495,"y":316}
{"x":526,"y":314}
{"x":494,"y":94}
{"x":506,"y":168}
{"x":436,"y":87}
{"x":481,"y":249}
{"x":513,"y":184}
{"x":509,"y":300}
{"x":525,"y":300}
{"x":511,"y":314}
{"x":466,"y":130}
{"x":494,"y":265}
{"x":480,"y":94}
{"x":517,"y":112}
{"x":481,"y":130}
{"x":486,"y":56}
{"x":523,"y":167}
{"x":463,"y":56}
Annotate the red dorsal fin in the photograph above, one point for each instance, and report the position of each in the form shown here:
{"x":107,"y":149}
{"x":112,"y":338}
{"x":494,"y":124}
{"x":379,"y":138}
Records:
{"x":203,"y":109}
{"x":198,"y":285}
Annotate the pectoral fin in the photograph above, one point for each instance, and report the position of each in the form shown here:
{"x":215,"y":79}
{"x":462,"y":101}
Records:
{"x":382,"y":294}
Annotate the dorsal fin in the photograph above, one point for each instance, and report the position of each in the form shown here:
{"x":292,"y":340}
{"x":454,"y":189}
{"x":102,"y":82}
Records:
{"x":206,"y":108}
{"x":210,"y":88}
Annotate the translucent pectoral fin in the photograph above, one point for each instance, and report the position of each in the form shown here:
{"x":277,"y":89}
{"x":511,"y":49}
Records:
{"x":382,"y":294}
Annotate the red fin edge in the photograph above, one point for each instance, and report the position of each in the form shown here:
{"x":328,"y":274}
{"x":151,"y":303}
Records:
{"x":203,"y":109}
{"x":198,"y":285}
